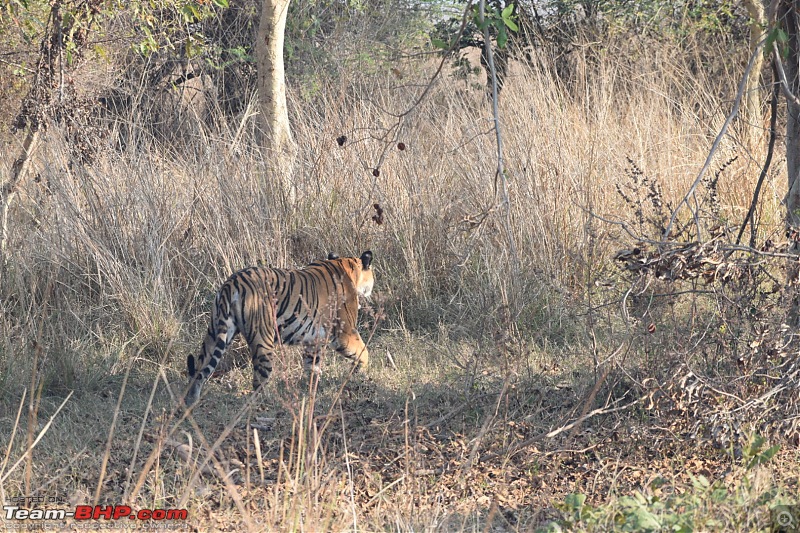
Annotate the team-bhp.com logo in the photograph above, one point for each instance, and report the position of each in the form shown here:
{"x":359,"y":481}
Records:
{"x":93,"y":512}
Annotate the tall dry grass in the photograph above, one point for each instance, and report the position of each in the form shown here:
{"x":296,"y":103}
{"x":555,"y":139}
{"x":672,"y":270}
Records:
{"x":115,"y":264}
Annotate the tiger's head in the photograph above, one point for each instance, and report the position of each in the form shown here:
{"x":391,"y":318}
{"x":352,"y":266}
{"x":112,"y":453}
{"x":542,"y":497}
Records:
{"x":365,"y":279}
{"x":359,"y":270}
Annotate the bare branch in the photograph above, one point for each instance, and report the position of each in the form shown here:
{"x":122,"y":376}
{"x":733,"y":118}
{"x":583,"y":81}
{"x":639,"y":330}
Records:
{"x":500,"y":173}
{"x":787,"y":91}
{"x":715,"y":146}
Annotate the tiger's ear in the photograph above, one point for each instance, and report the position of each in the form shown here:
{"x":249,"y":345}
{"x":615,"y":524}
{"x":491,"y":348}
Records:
{"x":332,"y":256}
{"x":366,"y":260}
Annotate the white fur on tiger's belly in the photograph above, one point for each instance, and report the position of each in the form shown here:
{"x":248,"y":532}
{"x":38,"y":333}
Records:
{"x":311,"y":336}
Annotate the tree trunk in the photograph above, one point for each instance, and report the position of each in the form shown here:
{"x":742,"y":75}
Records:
{"x":753,"y":127}
{"x":271,"y":82}
{"x":787,"y":19}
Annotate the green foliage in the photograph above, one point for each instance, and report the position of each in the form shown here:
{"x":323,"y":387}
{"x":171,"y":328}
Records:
{"x":778,"y":36}
{"x":29,"y":19}
{"x":526,"y":23}
{"x":652,"y":16}
{"x":755,"y":454}
{"x":500,"y":20}
{"x":700,"y":505}
{"x":176,"y":25}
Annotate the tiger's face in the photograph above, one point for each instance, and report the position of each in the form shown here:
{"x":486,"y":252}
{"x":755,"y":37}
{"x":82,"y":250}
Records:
{"x":365,"y":282}
{"x":360,"y":271}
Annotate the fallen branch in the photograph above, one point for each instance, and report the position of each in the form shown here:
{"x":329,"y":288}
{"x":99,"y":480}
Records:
{"x":555,"y":432}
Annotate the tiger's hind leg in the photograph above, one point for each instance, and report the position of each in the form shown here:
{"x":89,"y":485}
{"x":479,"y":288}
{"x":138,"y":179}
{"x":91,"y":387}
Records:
{"x":218,"y":339}
{"x":262,"y":354}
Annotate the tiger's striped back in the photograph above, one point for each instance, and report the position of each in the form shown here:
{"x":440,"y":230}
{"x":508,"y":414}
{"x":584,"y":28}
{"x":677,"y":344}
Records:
{"x":271,"y":306}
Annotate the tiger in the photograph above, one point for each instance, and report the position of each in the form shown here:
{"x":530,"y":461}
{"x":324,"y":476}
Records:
{"x":272,"y":307}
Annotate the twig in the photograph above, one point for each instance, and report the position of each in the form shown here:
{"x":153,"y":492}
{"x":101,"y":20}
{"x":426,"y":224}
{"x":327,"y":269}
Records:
{"x":110,"y":441}
{"x":384,"y":489}
{"x":773,"y":107}
{"x":723,"y":248}
{"x":137,"y":445}
{"x":456,"y":410}
{"x":9,"y":189}
{"x":38,"y":438}
{"x":257,"y":443}
{"x":428,"y":86}
{"x":485,"y":427}
{"x":349,"y":472}
{"x":13,"y":433}
{"x":787,"y":91}
{"x":580,"y":420}
{"x":569,"y":450}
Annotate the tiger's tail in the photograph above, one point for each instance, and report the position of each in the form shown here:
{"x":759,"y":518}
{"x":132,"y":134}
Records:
{"x":190,"y":366}
{"x":221,"y":331}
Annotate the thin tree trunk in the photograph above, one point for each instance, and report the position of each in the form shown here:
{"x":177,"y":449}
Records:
{"x":271,"y":79}
{"x":752,"y":101}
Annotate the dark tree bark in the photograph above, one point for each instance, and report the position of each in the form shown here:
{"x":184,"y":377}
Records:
{"x":788,"y":20}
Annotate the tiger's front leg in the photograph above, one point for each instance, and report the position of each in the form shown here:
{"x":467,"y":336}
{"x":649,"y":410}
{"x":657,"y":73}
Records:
{"x":311,"y":359}
{"x":350,"y":345}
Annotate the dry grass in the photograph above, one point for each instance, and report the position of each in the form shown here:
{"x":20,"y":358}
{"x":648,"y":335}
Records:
{"x":114,"y":266}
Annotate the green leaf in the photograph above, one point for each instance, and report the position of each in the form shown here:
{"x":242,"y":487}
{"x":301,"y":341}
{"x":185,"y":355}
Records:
{"x":767,"y":496}
{"x":575,"y":505}
{"x":763,"y":457}
{"x":221,"y":3}
{"x":190,"y":13}
{"x":502,"y":37}
{"x":770,"y":452}
{"x":719,"y":494}
{"x":101,"y":52}
{"x":575,"y":501}
{"x":700,"y":482}
{"x":194,"y":48}
{"x":658,"y":482}
{"x":645,"y":520}
{"x":779,"y":37}
{"x":508,"y":18}
{"x":476,"y":19}
{"x":754,"y":446}
{"x":438,"y":43}
{"x":240,"y":53}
